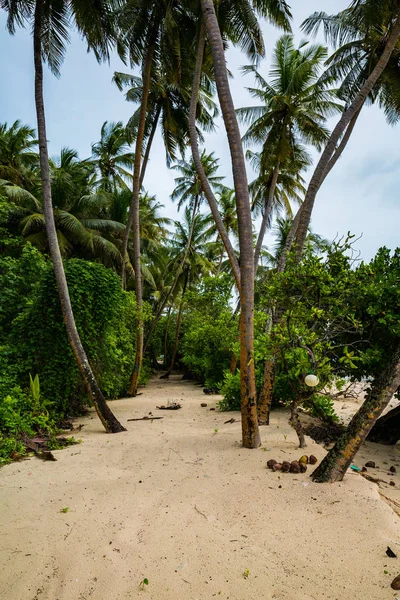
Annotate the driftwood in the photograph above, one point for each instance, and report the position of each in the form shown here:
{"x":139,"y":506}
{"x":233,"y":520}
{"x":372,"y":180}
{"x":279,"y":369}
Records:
{"x":173,"y":406}
{"x":146,"y":419}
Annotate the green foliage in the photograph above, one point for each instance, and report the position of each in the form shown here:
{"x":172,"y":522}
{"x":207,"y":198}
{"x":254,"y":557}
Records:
{"x":321,"y":407}
{"x":210,"y":331}
{"x":230,"y":389}
{"x":104,"y":316}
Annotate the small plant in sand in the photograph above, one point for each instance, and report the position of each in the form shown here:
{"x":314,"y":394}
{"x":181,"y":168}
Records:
{"x":64,"y":510}
{"x":246,"y":574}
{"x":144,"y":582}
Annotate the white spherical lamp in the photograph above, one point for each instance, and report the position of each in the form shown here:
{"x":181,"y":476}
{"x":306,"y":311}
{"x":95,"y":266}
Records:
{"x":311,"y":380}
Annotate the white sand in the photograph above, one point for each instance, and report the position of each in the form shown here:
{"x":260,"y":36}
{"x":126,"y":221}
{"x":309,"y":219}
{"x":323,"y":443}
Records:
{"x":189,"y":509}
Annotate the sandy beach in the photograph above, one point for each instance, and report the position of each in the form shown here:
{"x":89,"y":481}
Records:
{"x":178,"y":502}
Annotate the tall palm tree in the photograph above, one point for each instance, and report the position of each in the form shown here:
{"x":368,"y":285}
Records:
{"x":246,"y":32}
{"x":188,"y":190}
{"x":362,"y":15}
{"x":19,"y":159}
{"x":294,"y":111}
{"x":149,"y":32}
{"x":189,"y":246}
{"x":50,"y":24}
{"x":112,"y":157}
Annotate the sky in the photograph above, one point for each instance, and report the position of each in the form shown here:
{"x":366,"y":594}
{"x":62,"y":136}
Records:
{"x":361,"y":195}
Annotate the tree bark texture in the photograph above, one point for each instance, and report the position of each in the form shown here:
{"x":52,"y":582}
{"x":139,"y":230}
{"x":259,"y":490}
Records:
{"x":108,"y":419}
{"x":338,"y":460}
{"x":296,"y":424}
{"x":250,"y":431}
{"x":212,"y":202}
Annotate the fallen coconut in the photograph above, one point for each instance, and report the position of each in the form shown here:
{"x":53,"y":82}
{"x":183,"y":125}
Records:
{"x":295,"y":466}
{"x":303,"y":459}
{"x":271,"y":463}
{"x":313,"y":460}
{"x":277,"y":467}
{"x":303,"y":467}
{"x":285,"y":466}
{"x":370,"y":464}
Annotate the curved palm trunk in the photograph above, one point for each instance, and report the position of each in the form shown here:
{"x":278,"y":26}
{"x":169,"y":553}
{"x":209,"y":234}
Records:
{"x":110,"y":422}
{"x":212,"y":202}
{"x":250,"y":431}
{"x":266,"y":216}
{"x":178,"y":328}
{"x":324,"y":166}
{"x":178,"y":274}
{"x":337,"y":461}
{"x":134,"y":222}
{"x":149,"y":145}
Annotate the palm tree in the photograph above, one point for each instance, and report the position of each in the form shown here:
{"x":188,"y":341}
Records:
{"x":227,"y":209}
{"x":50,"y":33}
{"x":189,"y":190}
{"x":239,"y":30}
{"x":289,"y":188}
{"x":112,"y":157}
{"x":362,"y":16}
{"x":82,"y":227}
{"x":149,"y":31}
{"x":294,"y":110}
{"x":359,"y":39}
{"x":19,"y":159}
{"x":168,"y":107}
{"x":189,"y":246}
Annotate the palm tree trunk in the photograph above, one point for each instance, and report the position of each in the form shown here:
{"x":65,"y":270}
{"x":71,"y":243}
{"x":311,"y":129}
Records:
{"x":266,"y":216}
{"x":289,"y":241}
{"x":321,"y":170}
{"x":338,"y":460}
{"x":265,"y":398}
{"x":110,"y":422}
{"x":250,"y":431}
{"x":197,"y":159}
{"x":178,"y":274}
{"x":149,"y":145}
{"x":134,"y":222}
{"x":166,"y":337}
{"x":178,"y":327}
{"x":343,"y":143}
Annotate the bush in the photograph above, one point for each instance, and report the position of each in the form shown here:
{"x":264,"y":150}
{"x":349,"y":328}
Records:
{"x":209,"y":332}
{"x":105,"y":317}
{"x":230,"y":389}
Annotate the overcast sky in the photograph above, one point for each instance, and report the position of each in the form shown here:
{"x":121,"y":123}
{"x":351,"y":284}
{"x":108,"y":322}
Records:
{"x":360,"y":195}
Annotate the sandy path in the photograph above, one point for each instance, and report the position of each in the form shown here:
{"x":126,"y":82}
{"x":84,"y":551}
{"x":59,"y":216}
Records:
{"x":189,"y":509}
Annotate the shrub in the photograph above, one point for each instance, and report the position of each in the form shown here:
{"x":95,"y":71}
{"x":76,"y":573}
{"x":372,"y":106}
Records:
{"x":230,"y":389}
{"x":105,"y":317}
{"x":210,"y":332}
